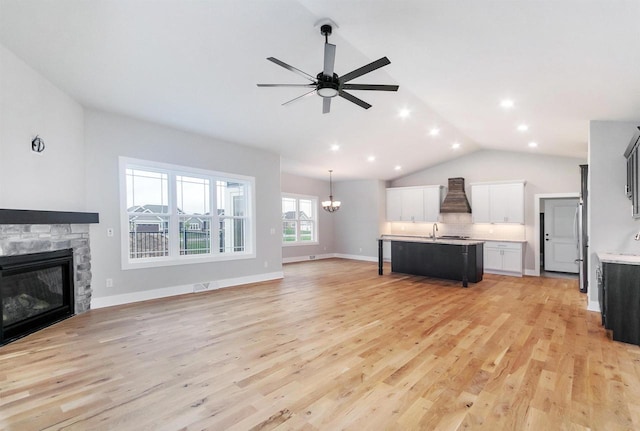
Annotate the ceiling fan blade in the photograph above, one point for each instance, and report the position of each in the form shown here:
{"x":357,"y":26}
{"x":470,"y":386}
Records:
{"x":329,"y":59}
{"x":291,"y":68}
{"x":287,"y":85}
{"x":300,"y":97}
{"x":370,"y":87}
{"x":365,"y":69}
{"x":326,"y":105}
{"x":354,"y":99}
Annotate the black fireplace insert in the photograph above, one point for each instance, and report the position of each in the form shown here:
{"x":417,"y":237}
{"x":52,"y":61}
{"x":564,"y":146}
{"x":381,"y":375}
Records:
{"x":36,"y":290}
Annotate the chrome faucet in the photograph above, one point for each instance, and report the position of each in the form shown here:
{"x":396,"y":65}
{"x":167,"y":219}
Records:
{"x":434,"y":230}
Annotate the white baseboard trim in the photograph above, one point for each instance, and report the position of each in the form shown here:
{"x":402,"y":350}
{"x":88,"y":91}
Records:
{"x":228,"y":282}
{"x":307,"y":258}
{"x":356,"y":257}
{"x":593,"y":306}
{"x":145,"y":295}
{"x":499,"y":272}
{"x":531,"y":272}
{"x":329,"y":256}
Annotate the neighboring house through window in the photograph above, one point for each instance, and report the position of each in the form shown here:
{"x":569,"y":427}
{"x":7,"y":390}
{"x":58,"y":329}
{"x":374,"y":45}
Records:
{"x":174,"y":214}
{"x":299,"y":219}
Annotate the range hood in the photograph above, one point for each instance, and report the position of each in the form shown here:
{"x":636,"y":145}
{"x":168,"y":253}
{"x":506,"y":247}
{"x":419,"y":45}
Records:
{"x":456,"y":200}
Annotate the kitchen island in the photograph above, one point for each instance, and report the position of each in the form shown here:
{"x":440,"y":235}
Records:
{"x":451,"y":259}
{"x":618,"y":295}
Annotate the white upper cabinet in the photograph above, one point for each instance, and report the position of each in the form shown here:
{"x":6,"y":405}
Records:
{"x":480,"y":211}
{"x":414,"y":204}
{"x":432,"y":200}
{"x":394,"y":204}
{"x":498,"y":203}
{"x":509,"y":203}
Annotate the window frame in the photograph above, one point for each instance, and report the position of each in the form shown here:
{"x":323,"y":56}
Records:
{"x":315,"y":219}
{"x":174,"y":257}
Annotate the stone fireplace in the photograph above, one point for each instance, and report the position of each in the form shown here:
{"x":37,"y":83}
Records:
{"x":24,"y":232}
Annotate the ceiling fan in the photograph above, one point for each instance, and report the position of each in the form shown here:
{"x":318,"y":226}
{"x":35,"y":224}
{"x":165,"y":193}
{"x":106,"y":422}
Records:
{"x":328,"y":84}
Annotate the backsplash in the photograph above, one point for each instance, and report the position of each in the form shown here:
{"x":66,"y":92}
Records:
{"x":461,"y":225}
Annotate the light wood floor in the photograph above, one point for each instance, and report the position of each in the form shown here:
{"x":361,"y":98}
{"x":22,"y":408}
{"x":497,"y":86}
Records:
{"x":331,"y":346}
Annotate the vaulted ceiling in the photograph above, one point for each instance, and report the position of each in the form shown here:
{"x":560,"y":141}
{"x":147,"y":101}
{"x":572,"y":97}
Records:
{"x":194,"y":65}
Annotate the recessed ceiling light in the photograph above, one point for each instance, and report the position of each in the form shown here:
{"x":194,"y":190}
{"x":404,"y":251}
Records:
{"x":506,"y":104}
{"x":398,"y":167}
{"x":371,"y":159}
{"x":522,"y":127}
{"x":434,"y":131}
{"x":404,"y":113}
{"x":335,"y":147}
{"x":533,"y":144}
{"x":455,"y":145}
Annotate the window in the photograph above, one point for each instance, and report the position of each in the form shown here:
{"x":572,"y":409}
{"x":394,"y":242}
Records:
{"x":299,"y":219}
{"x":173,"y":214}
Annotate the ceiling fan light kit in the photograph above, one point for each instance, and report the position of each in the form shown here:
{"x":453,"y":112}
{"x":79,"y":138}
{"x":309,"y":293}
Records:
{"x":327,"y":84}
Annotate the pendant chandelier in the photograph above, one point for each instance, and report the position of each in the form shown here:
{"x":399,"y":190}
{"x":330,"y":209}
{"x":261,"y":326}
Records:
{"x":331,"y":205}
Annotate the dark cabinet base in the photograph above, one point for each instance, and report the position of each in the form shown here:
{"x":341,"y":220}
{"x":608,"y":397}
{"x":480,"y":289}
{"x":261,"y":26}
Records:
{"x":448,"y":261}
{"x":620,"y":301}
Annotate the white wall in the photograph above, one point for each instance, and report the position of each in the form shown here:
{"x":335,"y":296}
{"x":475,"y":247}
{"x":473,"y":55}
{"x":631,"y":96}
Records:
{"x":544,"y":174}
{"x":290,"y":183}
{"x":361,"y":218}
{"x":611,"y":227}
{"x":30,"y":105}
{"x":109,"y":136}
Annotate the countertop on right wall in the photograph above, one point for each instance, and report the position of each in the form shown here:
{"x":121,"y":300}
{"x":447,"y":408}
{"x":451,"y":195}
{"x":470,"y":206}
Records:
{"x":623,"y":258}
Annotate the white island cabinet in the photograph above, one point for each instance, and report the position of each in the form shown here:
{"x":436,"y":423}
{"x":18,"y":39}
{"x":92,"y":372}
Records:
{"x":498,"y":202}
{"x":414,"y":204}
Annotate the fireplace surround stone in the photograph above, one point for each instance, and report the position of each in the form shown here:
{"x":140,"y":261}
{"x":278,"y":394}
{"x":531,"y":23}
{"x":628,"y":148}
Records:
{"x":18,"y":239}
{"x":27,"y":231}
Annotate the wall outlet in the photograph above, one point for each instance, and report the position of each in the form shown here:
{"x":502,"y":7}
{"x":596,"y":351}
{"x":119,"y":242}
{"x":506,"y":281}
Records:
{"x":266,"y":264}
{"x":109,"y":282}
{"x":273,"y":231}
{"x":360,"y":249}
{"x":110,"y":231}
{"x":312,"y":257}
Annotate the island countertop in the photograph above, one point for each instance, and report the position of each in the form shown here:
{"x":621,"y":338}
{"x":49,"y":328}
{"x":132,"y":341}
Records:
{"x":427,"y":239}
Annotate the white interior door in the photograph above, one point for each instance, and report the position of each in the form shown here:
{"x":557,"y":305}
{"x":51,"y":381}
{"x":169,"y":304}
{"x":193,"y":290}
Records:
{"x":560,"y":235}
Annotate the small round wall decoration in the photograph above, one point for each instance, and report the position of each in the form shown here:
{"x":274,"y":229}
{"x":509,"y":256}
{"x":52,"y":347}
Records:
{"x":37,"y":144}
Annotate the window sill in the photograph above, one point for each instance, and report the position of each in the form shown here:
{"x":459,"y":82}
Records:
{"x":183,"y":260}
{"x":296,"y":244}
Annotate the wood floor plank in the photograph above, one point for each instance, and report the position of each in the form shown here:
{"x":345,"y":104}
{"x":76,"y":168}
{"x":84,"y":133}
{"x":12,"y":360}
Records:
{"x":331,"y":346}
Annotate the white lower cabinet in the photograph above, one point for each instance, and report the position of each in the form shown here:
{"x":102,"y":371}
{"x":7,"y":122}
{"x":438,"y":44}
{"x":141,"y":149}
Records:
{"x":502,"y":257}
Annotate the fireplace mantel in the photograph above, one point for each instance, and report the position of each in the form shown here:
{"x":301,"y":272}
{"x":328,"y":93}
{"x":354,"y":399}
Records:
{"x":10,"y":216}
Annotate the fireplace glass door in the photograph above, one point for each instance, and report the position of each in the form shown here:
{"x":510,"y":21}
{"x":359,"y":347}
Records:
{"x":35,"y":291}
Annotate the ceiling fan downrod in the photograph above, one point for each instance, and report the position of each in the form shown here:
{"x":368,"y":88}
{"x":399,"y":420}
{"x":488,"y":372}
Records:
{"x":325,"y":30}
